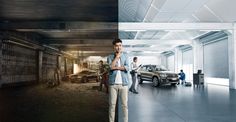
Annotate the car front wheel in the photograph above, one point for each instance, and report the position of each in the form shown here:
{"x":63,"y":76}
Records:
{"x":140,"y":81}
{"x":155,"y":81}
{"x":84,"y":79}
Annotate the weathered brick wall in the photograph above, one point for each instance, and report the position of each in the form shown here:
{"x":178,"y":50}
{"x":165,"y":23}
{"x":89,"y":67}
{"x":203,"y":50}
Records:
{"x":23,"y":59}
{"x":48,"y":66}
{"x":19,"y":64}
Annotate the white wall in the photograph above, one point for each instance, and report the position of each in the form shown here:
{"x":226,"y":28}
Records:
{"x":178,"y":59}
{"x":187,"y":65}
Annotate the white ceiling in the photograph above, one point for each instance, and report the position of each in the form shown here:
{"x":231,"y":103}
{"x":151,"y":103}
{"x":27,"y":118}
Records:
{"x":172,"y":11}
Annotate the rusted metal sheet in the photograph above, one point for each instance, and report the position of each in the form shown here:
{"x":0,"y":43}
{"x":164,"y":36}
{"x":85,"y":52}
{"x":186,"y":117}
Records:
{"x":48,"y":66}
{"x":19,"y":64}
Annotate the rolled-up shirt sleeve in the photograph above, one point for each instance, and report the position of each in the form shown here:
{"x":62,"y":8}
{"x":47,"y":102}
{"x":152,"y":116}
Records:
{"x":109,"y":62}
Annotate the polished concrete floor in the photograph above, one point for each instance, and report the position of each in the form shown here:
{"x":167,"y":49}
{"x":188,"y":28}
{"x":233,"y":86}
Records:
{"x":182,"y":104}
{"x":84,"y":103}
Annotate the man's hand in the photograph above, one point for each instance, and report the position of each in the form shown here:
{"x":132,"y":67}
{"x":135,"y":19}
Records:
{"x":121,"y":68}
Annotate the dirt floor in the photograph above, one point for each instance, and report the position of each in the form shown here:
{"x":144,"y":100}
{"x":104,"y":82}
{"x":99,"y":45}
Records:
{"x":65,"y":103}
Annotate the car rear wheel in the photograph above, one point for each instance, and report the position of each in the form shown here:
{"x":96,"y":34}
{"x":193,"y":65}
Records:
{"x":140,"y":81}
{"x":155,"y":81}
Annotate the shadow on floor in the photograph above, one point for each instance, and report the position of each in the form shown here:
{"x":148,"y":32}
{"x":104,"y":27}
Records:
{"x":65,"y":103}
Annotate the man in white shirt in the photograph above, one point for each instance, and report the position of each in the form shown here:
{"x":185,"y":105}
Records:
{"x":134,"y":68}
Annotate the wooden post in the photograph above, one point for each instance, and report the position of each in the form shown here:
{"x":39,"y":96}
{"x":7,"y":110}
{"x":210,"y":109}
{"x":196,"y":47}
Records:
{"x":66,"y":71}
{"x":40,"y":64}
{"x":0,"y":62}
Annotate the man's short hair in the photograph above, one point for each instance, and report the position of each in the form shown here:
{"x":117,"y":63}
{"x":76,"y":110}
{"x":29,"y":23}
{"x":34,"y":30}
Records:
{"x":100,"y":61}
{"x":116,"y":41}
{"x":135,"y":58}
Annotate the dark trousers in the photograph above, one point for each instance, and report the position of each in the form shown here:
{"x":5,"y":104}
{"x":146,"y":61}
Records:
{"x":134,"y":82}
{"x":104,"y":80}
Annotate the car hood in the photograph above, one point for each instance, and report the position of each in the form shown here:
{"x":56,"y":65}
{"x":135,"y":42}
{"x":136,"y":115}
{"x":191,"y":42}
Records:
{"x":166,"y":72}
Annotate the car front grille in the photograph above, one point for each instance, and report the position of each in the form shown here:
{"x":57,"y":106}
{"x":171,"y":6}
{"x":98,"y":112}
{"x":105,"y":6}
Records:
{"x":172,"y":75}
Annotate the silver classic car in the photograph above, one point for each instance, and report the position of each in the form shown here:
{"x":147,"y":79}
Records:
{"x":157,"y":74}
{"x":83,"y":76}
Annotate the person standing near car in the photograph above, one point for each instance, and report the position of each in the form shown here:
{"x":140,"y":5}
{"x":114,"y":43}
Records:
{"x":133,"y":72}
{"x":57,"y":76}
{"x":118,"y":80}
{"x":104,"y":75}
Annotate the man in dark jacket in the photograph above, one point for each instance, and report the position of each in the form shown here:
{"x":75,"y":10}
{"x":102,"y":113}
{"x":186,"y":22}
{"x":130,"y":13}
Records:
{"x":182,"y":76}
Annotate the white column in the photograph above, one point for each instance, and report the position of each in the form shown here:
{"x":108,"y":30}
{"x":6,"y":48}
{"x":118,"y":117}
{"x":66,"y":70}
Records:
{"x":163,"y":60}
{"x":232,"y":57}
{"x":197,"y":56}
{"x":178,"y":59}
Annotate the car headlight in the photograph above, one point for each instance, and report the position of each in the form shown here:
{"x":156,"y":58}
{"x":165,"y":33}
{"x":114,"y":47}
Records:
{"x":163,"y":75}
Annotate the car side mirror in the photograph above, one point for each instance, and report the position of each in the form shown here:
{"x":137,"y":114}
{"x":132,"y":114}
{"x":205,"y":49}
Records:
{"x":150,"y":70}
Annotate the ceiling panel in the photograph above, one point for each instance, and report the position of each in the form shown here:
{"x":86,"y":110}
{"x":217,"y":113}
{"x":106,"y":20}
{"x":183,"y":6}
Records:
{"x":163,"y":17}
{"x":141,"y":13}
{"x":127,"y":35}
{"x":174,"y":5}
{"x":158,"y":3}
{"x":145,"y":3}
{"x":159,"y":34}
{"x":129,"y":7}
{"x":194,"y":5}
{"x":180,"y":17}
{"x":151,"y":14}
{"x":147,"y":34}
{"x":205,"y":15}
{"x":225,"y":9}
{"x":191,"y":19}
{"x":142,"y":10}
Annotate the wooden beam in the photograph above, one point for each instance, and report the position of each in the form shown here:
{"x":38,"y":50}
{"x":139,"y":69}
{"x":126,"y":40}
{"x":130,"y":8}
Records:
{"x":58,"y":25}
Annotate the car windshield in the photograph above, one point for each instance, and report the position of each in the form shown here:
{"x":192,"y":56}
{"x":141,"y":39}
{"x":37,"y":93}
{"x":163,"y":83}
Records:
{"x":160,"y":68}
{"x":86,"y":72}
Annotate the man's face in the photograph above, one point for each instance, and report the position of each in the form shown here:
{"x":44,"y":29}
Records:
{"x":118,"y":47}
